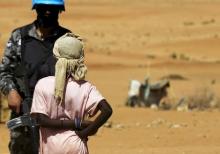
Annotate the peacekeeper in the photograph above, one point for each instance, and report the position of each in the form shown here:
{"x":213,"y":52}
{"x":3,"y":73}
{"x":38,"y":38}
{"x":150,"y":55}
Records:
{"x":28,"y":55}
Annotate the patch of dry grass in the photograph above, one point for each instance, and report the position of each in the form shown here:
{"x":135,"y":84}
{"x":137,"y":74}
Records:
{"x":202,"y":99}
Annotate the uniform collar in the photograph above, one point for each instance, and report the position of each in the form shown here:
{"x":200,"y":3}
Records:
{"x":33,"y":31}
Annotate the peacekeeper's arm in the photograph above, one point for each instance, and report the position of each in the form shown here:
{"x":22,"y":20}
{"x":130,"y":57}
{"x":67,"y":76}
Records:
{"x":11,"y":58}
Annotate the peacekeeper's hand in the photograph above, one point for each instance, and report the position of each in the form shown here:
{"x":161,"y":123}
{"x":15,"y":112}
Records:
{"x":14,"y":101}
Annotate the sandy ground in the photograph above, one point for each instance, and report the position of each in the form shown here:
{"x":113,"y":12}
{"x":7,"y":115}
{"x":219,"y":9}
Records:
{"x":128,"y":39}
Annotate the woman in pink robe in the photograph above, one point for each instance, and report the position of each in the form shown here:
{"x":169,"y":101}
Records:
{"x":61,"y":103}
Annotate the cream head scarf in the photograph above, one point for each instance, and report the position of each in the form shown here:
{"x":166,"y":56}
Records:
{"x":68,"y":50}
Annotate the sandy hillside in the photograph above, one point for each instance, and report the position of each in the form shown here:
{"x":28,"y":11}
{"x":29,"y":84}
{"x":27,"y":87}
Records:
{"x":128,"y":39}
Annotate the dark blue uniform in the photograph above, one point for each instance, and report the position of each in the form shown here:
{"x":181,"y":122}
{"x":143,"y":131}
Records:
{"x":26,"y":49}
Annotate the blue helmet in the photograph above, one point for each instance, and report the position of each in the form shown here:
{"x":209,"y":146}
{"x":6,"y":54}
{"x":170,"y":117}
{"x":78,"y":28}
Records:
{"x":49,"y":2}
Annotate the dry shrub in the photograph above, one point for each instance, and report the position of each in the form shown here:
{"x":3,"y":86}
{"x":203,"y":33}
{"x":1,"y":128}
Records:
{"x":180,"y":56}
{"x":203,"y":99}
{"x":206,"y":22}
{"x":188,"y":23}
{"x":174,"y":77}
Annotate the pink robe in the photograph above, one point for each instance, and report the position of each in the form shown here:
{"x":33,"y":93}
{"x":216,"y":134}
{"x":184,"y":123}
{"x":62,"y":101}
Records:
{"x":81,"y":100}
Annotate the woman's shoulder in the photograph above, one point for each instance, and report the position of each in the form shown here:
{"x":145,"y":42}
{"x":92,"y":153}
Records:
{"x":46,"y":80}
{"x":84,"y":83}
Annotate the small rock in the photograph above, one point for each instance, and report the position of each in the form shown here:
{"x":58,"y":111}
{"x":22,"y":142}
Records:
{"x":175,"y":126}
{"x":108,"y":125}
{"x":119,"y":126}
{"x":154,"y":107}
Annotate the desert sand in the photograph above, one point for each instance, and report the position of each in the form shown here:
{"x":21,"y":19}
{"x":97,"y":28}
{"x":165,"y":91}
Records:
{"x":127,"y":39}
